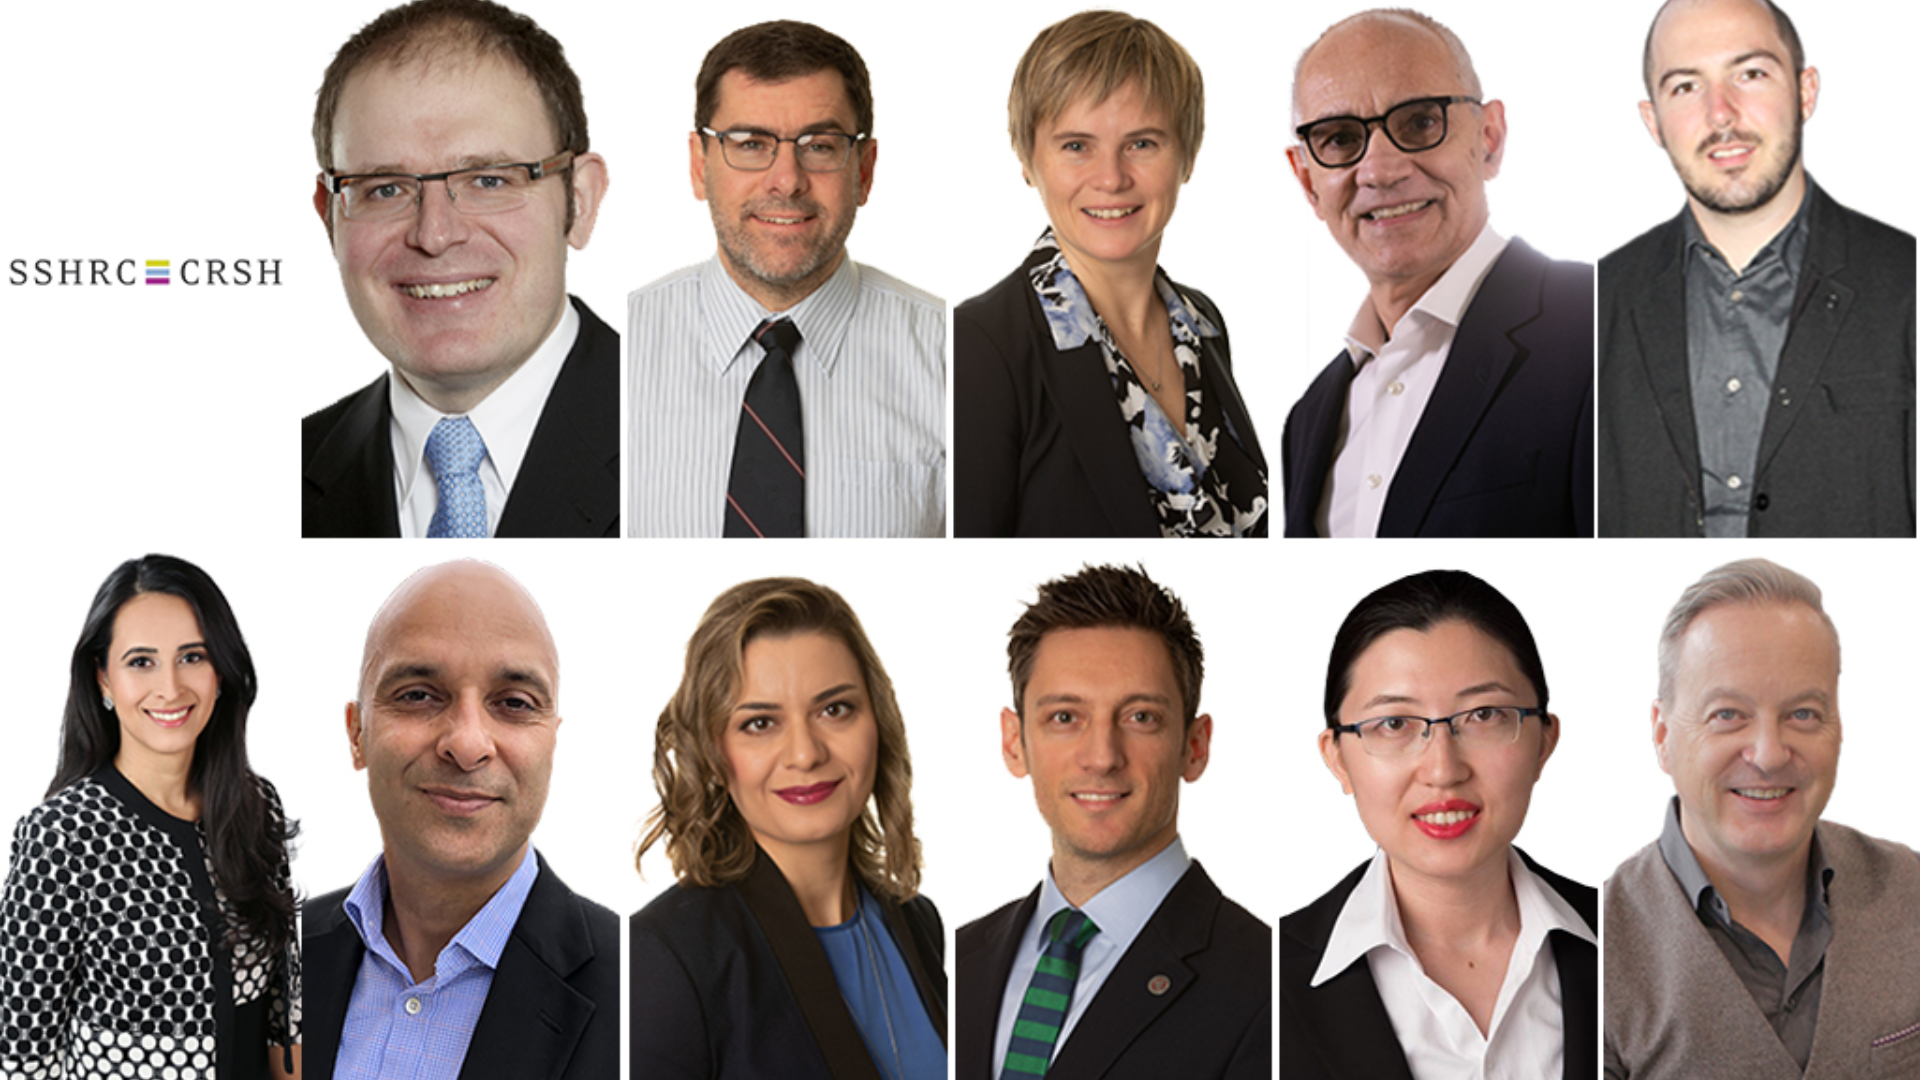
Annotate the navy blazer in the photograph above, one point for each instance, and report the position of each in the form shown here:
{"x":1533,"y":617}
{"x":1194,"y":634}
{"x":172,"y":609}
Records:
{"x":1191,"y":998}
{"x":1339,"y":1030}
{"x":731,"y":983}
{"x":568,"y":485}
{"x":1836,"y":453}
{"x":1039,"y":446}
{"x":552,"y":1013}
{"x":1505,"y":445}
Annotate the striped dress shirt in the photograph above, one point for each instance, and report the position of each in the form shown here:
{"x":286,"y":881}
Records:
{"x":872,"y":370}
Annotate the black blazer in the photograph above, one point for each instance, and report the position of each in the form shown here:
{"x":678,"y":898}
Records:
{"x":1212,"y":1016}
{"x":1340,"y":1030}
{"x":731,"y":983}
{"x":1039,"y":447}
{"x":1837,"y":451}
{"x":1505,"y":445}
{"x":553,"y":1012}
{"x":569,"y":483}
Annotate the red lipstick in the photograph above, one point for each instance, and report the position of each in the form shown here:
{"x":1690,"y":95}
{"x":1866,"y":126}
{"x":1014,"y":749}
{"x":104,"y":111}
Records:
{"x":809,"y":794}
{"x":1454,"y":818}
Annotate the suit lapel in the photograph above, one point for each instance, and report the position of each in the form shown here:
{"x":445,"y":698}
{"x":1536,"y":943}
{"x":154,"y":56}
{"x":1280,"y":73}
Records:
{"x":569,"y":483}
{"x":1578,"y":963}
{"x":351,"y":472}
{"x":982,"y":991}
{"x":1657,"y":318}
{"x":532,"y":1020}
{"x":1319,"y":412}
{"x":1358,"y":1038}
{"x":331,"y":963}
{"x":1819,"y":311}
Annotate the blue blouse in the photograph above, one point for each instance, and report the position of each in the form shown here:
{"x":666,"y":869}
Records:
{"x":881,"y":995}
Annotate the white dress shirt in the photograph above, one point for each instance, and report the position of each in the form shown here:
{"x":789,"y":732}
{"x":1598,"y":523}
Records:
{"x":1524,"y":1040}
{"x":505,"y":419}
{"x":1394,"y":376}
{"x":1121,"y":911}
{"x":872,"y":372}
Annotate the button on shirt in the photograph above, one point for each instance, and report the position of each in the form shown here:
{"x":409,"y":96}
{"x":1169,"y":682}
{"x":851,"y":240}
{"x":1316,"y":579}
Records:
{"x":505,"y":419}
{"x":1788,"y":994}
{"x":1393,"y":379}
{"x":397,"y":1029}
{"x":1121,"y":911}
{"x":1736,"y":327}
{"x":872,"y":372}
{"x":1524,"y":1041}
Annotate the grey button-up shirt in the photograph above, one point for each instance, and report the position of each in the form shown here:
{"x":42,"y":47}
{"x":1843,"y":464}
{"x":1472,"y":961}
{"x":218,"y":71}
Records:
{"x":1736,"y":326}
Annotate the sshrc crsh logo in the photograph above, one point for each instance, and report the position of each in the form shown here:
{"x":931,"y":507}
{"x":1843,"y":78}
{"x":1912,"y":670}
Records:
{"x":193,"y":273}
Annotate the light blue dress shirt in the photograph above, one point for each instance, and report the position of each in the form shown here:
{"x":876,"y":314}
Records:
{"x":1121,"y":911}
{"x":397,"y":1029}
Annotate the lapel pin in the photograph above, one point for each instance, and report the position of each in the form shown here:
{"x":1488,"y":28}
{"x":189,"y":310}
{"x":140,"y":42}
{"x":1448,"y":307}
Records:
{"x":1158,"y":985}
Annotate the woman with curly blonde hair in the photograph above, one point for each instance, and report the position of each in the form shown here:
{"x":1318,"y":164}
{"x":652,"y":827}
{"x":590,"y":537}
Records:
{"x":794,"y":942}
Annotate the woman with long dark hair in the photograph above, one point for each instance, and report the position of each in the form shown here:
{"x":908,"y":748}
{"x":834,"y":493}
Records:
{"x":147,"y":927}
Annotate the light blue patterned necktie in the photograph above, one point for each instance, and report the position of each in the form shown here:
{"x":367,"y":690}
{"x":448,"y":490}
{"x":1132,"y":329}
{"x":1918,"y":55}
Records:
{"x":454,"y":453}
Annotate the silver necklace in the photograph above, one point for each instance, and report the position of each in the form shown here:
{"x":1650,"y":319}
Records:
{"x":886,"y":1012}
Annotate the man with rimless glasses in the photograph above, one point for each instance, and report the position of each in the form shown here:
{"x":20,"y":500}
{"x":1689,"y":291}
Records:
{"x":780,"y":389}
{"x":1462,"y":402}
{"x":455,"y":174}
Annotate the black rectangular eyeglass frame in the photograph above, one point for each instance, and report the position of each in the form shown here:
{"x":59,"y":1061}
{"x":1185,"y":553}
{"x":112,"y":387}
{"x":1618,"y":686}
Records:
{"x":1367,"y":124}
{"x":1430,"y":721}
{"x":798,"y":141}
{"x":536,"y":170}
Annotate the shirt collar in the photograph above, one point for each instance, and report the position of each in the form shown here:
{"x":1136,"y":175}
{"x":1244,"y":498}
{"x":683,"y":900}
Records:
{"x":481,"y":941}
{"x":1788,"y":245}
{"x":1122,"y":909}
{"x":1070,"y":314}
{"x":1445,"y":300}
{"x":505,"y":418}
{"x":1686,"y":869}
{"x":729,"y":316}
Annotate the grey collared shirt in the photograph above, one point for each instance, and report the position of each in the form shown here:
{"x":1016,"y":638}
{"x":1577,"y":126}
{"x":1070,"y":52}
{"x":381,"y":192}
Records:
{"x":1736,"y":327}
{"x":1788,"y":994}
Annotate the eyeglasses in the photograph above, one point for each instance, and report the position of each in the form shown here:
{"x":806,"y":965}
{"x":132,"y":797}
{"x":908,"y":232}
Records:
{"x":1404,"y":736}
{"x":1421,"y":124}
{"x":488,"y":189}
{"x":816,"y":151}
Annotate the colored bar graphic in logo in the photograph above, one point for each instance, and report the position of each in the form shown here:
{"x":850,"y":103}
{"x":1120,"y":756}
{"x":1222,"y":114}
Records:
{"x":158,"y":272}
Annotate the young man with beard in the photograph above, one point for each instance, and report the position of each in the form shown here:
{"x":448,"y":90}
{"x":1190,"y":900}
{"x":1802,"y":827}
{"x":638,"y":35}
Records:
{"x":1757,"y":351}
{"x":780,"y":388}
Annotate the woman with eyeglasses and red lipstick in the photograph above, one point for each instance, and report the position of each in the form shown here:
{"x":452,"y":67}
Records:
{"x":795,"y":943}
{"x":1450,"y":952}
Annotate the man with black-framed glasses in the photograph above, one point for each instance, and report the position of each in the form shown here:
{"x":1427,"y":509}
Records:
{"x":1462,"y":403}
{"x":455,"y":174}
{"x":779,"y":389}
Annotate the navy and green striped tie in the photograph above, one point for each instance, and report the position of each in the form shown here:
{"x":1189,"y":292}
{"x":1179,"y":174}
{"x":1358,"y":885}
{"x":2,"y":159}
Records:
{"x":1044,"y":1008}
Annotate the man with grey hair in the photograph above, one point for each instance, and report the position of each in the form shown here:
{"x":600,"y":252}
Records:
{"x":1756,"y":351}
{"x":1754,"y":940}
{"x":1461,"y":404}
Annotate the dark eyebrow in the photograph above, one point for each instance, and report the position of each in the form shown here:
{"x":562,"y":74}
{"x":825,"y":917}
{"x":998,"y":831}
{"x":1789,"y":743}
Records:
{"x":819,"y":698}
{"x":468,"y":161}
{"x":139,"y":649}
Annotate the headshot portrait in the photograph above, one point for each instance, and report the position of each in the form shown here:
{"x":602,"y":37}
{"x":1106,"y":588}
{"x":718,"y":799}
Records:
{"x":1451,"y":951}
{"x":455,"y":176}
{"x":458,"y":951}
{"x":795,"y":941}
{"x":1757,"y":350}
{"x":1093,"y":396}
{"x":1460,"y":400}
{"x":779,"y":388}
{"x":1126,"y":960}
{"x":147,"y":922}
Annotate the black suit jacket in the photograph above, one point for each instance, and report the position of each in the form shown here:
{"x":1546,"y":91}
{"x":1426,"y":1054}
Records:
{"x":1039,"y":447}
{"x":1340,"y":1030}
{"x":1837,"y":450}
{"x":569,"y":482}
{"x":731,"y":983}
{"x":553,"y":1012}
{"x":1505,"y":445}
{"x":1212,"y":1018}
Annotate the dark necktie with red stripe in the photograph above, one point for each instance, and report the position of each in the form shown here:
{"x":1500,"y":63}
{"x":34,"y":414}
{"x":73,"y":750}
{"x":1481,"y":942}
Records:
{"x":767,"y":490}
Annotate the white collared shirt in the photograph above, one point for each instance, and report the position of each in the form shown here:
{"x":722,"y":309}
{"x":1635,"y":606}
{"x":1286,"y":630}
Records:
{"x":505,"y":419}
{"x":1524,"y":1040}
{"x":1394,"y":376}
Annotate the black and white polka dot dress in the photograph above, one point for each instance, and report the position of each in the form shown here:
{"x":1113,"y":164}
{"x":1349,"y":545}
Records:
{"x":114,"y":954}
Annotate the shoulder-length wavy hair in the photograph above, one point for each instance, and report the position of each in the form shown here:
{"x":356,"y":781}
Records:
{"x":246,"y":838}
{"x":707,"y":840}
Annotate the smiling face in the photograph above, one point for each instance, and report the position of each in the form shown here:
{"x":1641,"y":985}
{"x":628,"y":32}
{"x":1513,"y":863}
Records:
{"x":801,"y":744}
{"x":1751,"y":736}
{"x":160,"y":678}
{"x":782,"y":231}
{"x":1104,"y":743}
{"x":1109,"y":173}
{"x":1727,"y":106}
{"x":1402,"y":218}
{"x":455,"y":726}
{"x":456,"y":301}
{"x":1440,"y":813}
